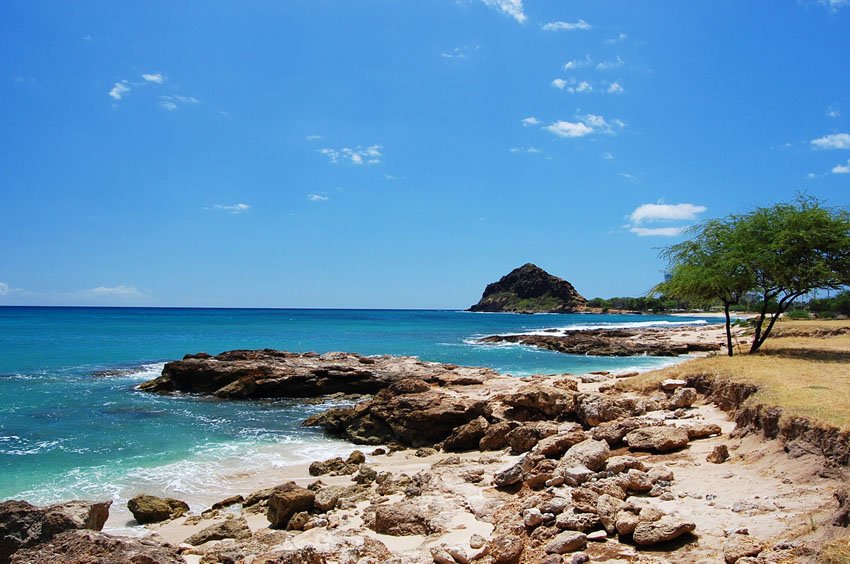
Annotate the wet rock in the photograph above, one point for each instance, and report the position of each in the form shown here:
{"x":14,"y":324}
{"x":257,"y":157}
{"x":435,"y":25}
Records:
{"x":87,"y":547}
{"x":466,"y":437}
{"x":23,"y":525}
{"x":737,"y":547}
{"x":496,"y":435}
{"x":153,"y":509}
{"x":403,"y":519}
{"x":665,"y":529}
{"x":718,"y":455}
{"x":286,"y":501}
{"x":658,"y":439}
{"x":589,"y":453}
{"x":568,"y":541}
{"x":229,"y":529}
{"x":682,"y":398}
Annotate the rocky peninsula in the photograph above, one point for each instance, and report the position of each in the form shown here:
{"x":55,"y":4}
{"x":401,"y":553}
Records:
{"x":467,"y":465}
{"x":530,"y":289}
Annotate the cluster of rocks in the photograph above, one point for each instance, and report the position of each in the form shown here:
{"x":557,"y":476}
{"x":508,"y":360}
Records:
{"x":614,"y":342}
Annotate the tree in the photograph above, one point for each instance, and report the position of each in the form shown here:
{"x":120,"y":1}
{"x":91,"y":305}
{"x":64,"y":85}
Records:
{"x":779,"y":253}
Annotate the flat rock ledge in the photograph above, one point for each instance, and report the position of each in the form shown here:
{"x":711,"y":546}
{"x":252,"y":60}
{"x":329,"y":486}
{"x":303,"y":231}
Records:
{"x":267,"y":373}
{"x":620,"y":342}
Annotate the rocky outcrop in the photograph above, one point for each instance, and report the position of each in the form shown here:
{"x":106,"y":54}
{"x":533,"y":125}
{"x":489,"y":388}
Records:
{"x":267,"y":373}
{"x":88,"y":547}
{"x":23,"y":525}
{"x":286,"y":501}
{"x":530,"y":289}
{"x":611,"y":342}
{"x":152,"y":509}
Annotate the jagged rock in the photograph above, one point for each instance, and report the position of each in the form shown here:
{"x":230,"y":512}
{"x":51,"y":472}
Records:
{"x":496,"y":435}
{"x":88,"y":547}
{"x":718,"y":455}
{"x":228,"y":529}
{"x":638,"y":481}
{"x":660,"y":473}
{"x":618,"y":464}
{"x":665,"y":529}
{"x":287,"y":500}
{"x":568,"y":541}
{"x":555,"y":505}
{"x":466,"y":437}
{"x":682,"y":397}
{"x":626,"y":521}
{"x":575,"y":475}
{"x":584,"y":500}
{"x":657,"y":439}
{"x":23,"y":525}
{"x":403,"y":519}
{"x":530,"y":289}
{"x":506,"y":549}
{"x":589,"y":453}
{"x":672,"y":384}
{"x":608,"y":508}
{"x":554,"y":446}
{"x":525,"y":437}
{"x":511,"y":475}
{"x":740,"y":546}
{"x":613,"y":432}
{"x":336,"y":466}
{"x":270,"y":373}
{"x":441,"y":555}
{"x":356,"y":457}
{"x":841,"y":517}
{"x":532,"y":517}
{"x":581,"y":522}
{"x":362,"y":549}
{"x":414,"y":420}
{"x":595,"y":409}
{"x":153,"y":509}
{"x":536,"y":401}
{"x":703,"y":431}
{"x":327,"y":498}
{"x":542,"y":472}
{"x":227,"y":502}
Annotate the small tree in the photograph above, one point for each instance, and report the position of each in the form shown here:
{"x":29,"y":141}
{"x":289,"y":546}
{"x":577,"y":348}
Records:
{"x":779,"y":253}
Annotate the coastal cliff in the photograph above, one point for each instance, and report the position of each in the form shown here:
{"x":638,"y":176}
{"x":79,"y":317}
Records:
{"x":530,"y":289}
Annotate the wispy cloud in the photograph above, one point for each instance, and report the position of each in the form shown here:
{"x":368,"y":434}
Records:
{"x":119,"y":90}
{"x":359,"y":155}
{"x":665,"y":212}
{"x":834,"y":141}
{"x":232,"y":208}
{"x":462,"y":52}
{"x":156,"y":78}
{"x":615,"y":88}
{"x":567,"y":26}
{"x":578,"y":63}
{"x":608,"y":156}
{"x":313,"y":137}
{"x":525,"y":150}
{"x":513,"y":8}
{"x":628,"y":176}
{"x":586,"y":124}
{"x":115,"y":291}
{"x":833,"y":112}
{"x":842,"y":169}
{"x":834,"y":5}
{"x":317,"y":198}
{"x":657,"y":231}
{"x":166,"y":105}
{"x":619,"y":39}
{"x":583,"y":86}
{"x":5,"y":289}
{"x":531,"y":120}
{"x":608,"y":65}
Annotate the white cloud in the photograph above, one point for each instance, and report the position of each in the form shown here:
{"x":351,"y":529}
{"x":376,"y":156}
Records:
{"x":834,"y":141}
{"x":459,"y":52}
{"x":608,"y":156}
{"x":833,"y":5}
{"x":166,"y":105}
{"x":665,"y":212}
{"x":120,"y":290}
{"x":531,"y":120}
{"x":615,"y":88}
{"x":119,"y":90}
{"x":359,"y":155}
{"x":586,"y":124}
{"x":173,"y":102}
{"x":317,"y":198}
{"x":567,"y":26}
{"x":513,"y":8}
{"x":313,"y":137}
{"x":629,"y":176}
{"x":608,"y":65}
{"x":832,"y":112}
{"x":232,"y":208}
{"x":186,"y":99}
{"x":559,"y":83}
{"x":4,"y":289}
{"x":583,"y":86}
{"x":578,"y":63}
{"x":525,"y":150}
{"x":619,"y":39}
{"x":657,"y":231}
{"x":569,"y":129}
{"x":842,"y":169}
{"x":811,"y":175}
{"x":156,"y":78}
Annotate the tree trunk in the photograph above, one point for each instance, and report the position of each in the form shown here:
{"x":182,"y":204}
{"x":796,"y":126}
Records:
{"x":729,"y":350}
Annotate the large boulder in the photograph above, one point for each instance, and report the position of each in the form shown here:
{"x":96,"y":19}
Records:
{"x":228,"y":529}
{"x":466,"y":437}
{"x":595,"y":409}
{"x":286,"y":501}
{"x":90,"y":547}
{"x":526,"y":436}
{"x":23,"y":525}
{"x":152,"y":509}
{"x":403,"y":519}
{"x":657,"y":439}
{"x":589,"y":453}
{"x":665,"y":529}
{"x":537,"y":401}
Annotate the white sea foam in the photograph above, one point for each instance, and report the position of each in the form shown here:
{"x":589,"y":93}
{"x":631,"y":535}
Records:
{"x":555,"y":331}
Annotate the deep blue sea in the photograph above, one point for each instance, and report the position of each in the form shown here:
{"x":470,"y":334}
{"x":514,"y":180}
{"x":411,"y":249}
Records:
{"x":73,"y":426}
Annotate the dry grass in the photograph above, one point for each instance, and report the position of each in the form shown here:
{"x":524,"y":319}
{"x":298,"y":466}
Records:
{"x":805,"y":376}
{"x":836,"y":551}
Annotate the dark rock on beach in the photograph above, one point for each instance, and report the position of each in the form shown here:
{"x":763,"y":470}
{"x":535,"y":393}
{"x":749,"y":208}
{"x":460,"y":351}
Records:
{"x":152,"y":509}
{"x":530,"y":289}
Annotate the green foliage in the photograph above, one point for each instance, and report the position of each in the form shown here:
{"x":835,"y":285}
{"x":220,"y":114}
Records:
{"x":798,"y":314}
{"x":839,"y":304}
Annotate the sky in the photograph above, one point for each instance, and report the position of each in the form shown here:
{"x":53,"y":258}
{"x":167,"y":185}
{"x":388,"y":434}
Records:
{"x":398,"y":154}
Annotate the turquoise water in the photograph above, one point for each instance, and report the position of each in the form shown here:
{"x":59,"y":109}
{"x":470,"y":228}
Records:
{"x":72,"y":424}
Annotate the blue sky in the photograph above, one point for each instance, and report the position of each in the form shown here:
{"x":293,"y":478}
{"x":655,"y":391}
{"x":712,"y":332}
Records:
{"x":314,"y":153}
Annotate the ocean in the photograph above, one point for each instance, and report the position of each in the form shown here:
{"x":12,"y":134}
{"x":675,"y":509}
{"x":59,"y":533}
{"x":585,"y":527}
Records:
{"x":72,"y":424}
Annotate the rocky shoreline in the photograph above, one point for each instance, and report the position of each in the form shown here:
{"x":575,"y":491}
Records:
{"x":472,"y":466}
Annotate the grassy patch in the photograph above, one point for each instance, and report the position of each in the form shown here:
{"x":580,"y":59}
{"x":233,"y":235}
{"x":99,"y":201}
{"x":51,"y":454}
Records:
{"x":805,"y":376}
{"x":836,"y":551}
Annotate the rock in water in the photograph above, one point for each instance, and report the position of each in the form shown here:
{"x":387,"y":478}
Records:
{"x":530,"y":289}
